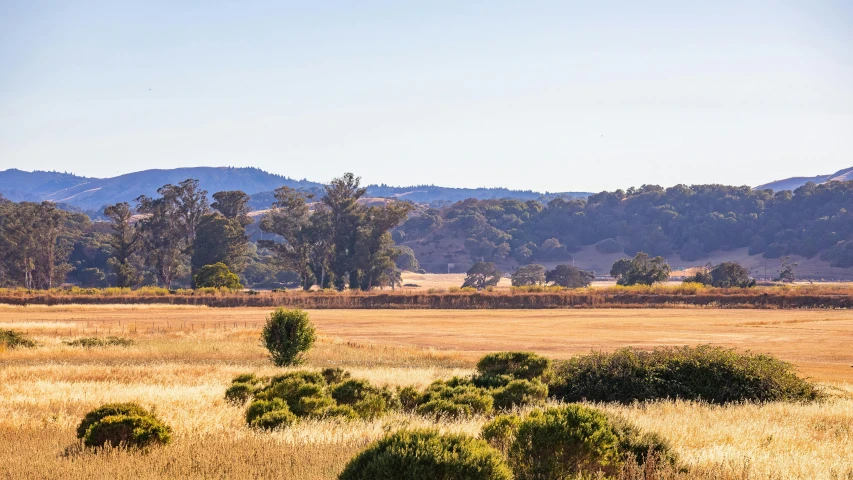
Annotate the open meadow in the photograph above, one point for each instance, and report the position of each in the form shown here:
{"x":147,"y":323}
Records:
{"x":184,"y":358}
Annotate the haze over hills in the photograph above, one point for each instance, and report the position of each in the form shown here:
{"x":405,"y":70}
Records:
{"x":94,"y":193}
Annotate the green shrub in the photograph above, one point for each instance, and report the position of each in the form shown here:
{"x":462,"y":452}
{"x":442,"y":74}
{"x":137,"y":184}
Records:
{"x":288,"y":334}
{"x":95,"y":342}
{"x":311,"y":401}
{"x":109,"y":410}
{"x":13,"y":339}
{"x":217,"y":275}
{"x":245,"y":378}
{"x":500,"y":432}
{"x":239,"y":392}
{"x":334,"y":375}
{"x":712,"y":374}
{"x":479,"y":400}
{"x":563,"y":442}
{"x":371,"y":406}
{"x":640,"y":444}
{"x":339,"y":411}
{"x":520,"y":365}
{"x":259,"y":407}
{"x":427,"y":455}
{"x":409,"y":397}
{"x":127,"y":431}
{"x":351,"y":391}
{"x":275,"y":419}
{"x":444,"y":409}
{"x":518,"y":393}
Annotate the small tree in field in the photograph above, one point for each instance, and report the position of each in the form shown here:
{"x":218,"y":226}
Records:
{"x":528,"y":275}
{"x":482,"y":275}
{"x":287,"y":335}
{"x":787,"y":273}
{"x":569,"y":276}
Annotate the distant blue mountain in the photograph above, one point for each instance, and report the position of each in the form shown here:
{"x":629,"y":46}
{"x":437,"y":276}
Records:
{"x":92,"y":194}
{"x":794,"y":183}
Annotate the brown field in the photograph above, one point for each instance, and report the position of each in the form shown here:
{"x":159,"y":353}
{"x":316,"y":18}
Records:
{"x":184,"y":358}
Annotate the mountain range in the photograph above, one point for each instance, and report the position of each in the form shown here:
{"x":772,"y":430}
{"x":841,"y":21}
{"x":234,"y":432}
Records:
{"x":92,"y":194}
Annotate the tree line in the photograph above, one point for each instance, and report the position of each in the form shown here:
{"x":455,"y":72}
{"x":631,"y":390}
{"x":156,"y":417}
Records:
{"x":691,"y":221}
{"x":178,"y":238}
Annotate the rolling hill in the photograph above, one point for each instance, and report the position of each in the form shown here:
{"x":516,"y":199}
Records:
{"x":794,"y":183}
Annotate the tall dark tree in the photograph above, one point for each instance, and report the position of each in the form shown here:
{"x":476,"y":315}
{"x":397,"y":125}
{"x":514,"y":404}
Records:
{"x":124,"y":242}
{"x":234,"y":205}
{"x":163,"y":235}
{"x":375,"y":252}
{"x":219,"y":240}
{"x":341,"y":198}
{"x":290,"y":219}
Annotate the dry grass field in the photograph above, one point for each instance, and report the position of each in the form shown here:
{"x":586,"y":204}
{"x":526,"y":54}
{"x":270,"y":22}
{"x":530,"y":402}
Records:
{"x":184,"y":358}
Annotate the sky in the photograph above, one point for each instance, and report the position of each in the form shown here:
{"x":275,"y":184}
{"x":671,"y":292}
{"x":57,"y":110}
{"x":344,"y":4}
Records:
{"x":539,"y":95}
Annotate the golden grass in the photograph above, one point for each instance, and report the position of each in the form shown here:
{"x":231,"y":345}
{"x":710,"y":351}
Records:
{"x":183,"y":373}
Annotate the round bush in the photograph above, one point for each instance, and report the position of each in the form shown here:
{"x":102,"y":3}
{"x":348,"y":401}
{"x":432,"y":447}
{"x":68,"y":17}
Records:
{"x":238,"y":393}
{"x":427,"y":455}
{"x":409,"y":397}
{"x":275,"y":419}
{"x":479,"y":401}
{"x":339,"y":411}
{"x":259,"y":407}
{"x":351,"y":391}
{"x":108,"y":410}
{"x":562,"y":443}
{"x":640,"y":444}
{"x":127,"y":431}
{"x":500,"y":432}
{"x":371,"y":406}
{"x":518,"y":393}
{"x":520,"y":365}
{"x":288,"y":334}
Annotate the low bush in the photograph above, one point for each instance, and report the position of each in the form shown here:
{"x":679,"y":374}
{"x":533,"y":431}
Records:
{"x":127,"y":431}
{"x":96,"y":342}
{"x":520,"y":365}
{"x":455,"y":398}
{"x":259,"y":408}
{"x":427,"y":455}
{"x":500,"y":432}
{"x":640,"y":445}
{"x":287,"y":335}
{"x":707,"y":373}
{"x":518,"y":393}
{"x":122,"y":425}
{"x":13,"y":339}
{"x":109,"y":410}
{"x":239,"y":392}
{"x":439,"y":408}
{"x":563,"y":442}
{"x":334,"y":375}
{"x":275,"y":419}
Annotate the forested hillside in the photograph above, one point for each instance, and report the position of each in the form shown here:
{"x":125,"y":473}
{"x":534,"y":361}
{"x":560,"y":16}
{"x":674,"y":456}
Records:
{"x":688,"y":221}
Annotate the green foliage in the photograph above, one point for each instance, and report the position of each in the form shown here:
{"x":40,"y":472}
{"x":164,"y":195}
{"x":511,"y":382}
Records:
{"x":127,"y":431}
{"x":258,"y":408}
{"x":122,"y":424}
{"x":13,"y":339}
{"x":641,"y":270}
{"x":334,"y":375}
{"x":216,"y":276}
{"x":274,"y":419}
{"x":563,"y":442}
{"x":500,"y":432}
{"x":110,"y":409}
{"x":219,"y":240}
{"x":406,"y":259}
{"x":712,"y":374}
{"x":344,"y":412}
{"x":482,"y":275}
{"x":640,"y":444}
{"x":96,"y":342}
{"x":427,"y":455}
{"x":568,"y":276}
{"x":409,"y":398}
{"x":724,"y":275}
{"x":529,"y":275}
{"x":239,"y":392}
{"x":453,"y":399}
{"x":288,"y":334}
{"x":521,"y":365}
{"x":519,"y":393}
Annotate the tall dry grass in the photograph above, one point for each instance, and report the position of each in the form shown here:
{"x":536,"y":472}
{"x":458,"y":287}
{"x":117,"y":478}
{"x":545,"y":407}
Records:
{"x":183,"y":374}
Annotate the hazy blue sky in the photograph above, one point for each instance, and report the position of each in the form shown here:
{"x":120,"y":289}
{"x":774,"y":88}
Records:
{"x":543,"y":95}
